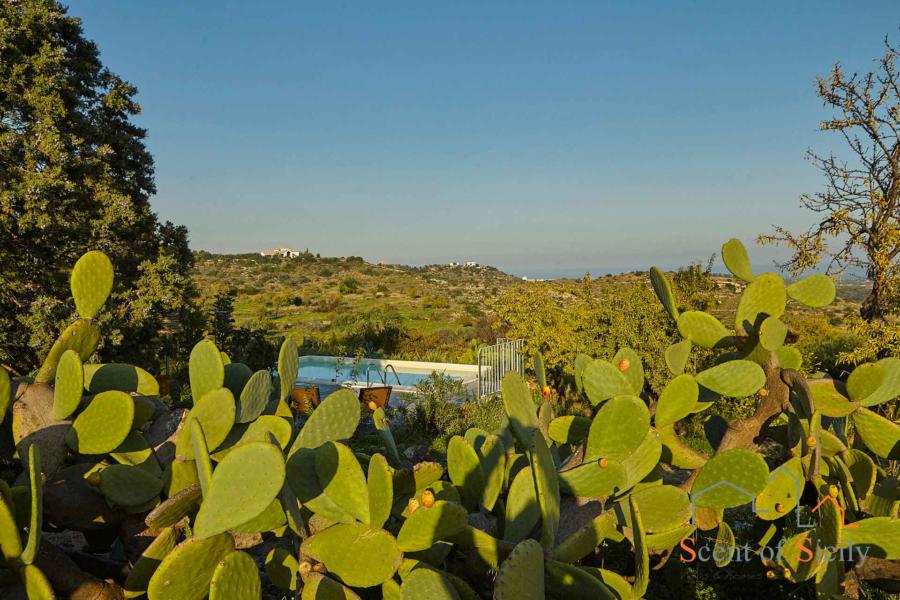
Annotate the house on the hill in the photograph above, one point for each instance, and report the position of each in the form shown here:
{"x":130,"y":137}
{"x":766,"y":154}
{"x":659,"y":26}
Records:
{"x":281,"y":252}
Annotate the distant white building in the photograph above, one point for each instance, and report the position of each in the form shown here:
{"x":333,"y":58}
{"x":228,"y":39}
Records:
{"x":281,"y":252}
{"x":471,"y":263}
{"x":452,"y":264}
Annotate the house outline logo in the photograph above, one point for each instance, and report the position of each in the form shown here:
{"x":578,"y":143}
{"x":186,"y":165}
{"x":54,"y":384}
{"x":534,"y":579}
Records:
{"x":841,"y":509}
{"x":798,"y":490}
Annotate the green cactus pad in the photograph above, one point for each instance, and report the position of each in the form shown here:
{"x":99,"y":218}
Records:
{"x":303,"y":481}
{"x":569,"y":429}
{"x":519,"y":407}
{"x":865,"y":380}
{"x":617,"y":429}
{"x":663,"y":290}
{"x":81,"y":336}
{"x":68,"y":386}
{"x":139,"y":577}
{"x":492,"y":455}
{"x":265,"y":426}
{"x":254,"y":397}
{"x":236,"y":578}
{"x":207,"y":372}
{"x":427,"y":583}
{"x":521,"y":575}
{"x":236,"y":377}
{"x":175,"y":508}
{"x":124,"y":485}
{"x":640,"y":463}
{"x":586,"y":539}
{"x":603,"y":380}
{"x":465,"y":471}
{"x":281,"y":567}
{"x":37,"y":586}
{"x":539,"y":372}
{"x":735,"y":378}
{"x":379,"y":482}
{"x":878,"y":434}
{"x":781,"y":492}
{"x":341,"y":546}
{"x":271,"y":518}
{"x":676,"y":452}
{"x":442,"y":490}
{"x":629,"y":364}
{"x":677,"y":400}
{"x":117,"y":376}
{"x":10,"y":542}
{"x":215,"y":413}
{"x":242,"y":486}
{"x":380,"y":420}
{"x":702,"y":329}
{"x":772,"y":333}
{"x":186,"y":572}
{"x":800,"y":558}
{"x":663,"y":507}
{"x":334,"y":419}
{"x":201,"y":455}
{"x":736,"y":259}
{"x":180,"y":474}
{"x":789,"y":357}
{"x":136,"y":451}
{"x":591,"y":480}
{"x":426,"y":473}
{"x":617,"y":584}
{"x":569,"y":582}
{"x":723,"y":551}
{"x":641,"y":551}
{"x":880,"y":535}
{"x":342,"y":479}
{"x":730,"y":478}
{"x":863,"y":472}
{"x":830,"y":397}
{"x":581,"y":362}
{"x":91,"y":283}
{"x":547,"y":486}
{"x":888,"y":388}
{"x":319,"y":587}
{"x":288,"y":365}
{"x":103,"y":425}
{"x":677,"y":356}
{"x":521,"y":511}
{"x":816,"y":291}
{"x":36,"y":507}
{"x":426,"y":526}
{"x":766,"y":295}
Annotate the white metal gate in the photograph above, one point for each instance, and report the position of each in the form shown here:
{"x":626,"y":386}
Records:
{"x":496,"y":361}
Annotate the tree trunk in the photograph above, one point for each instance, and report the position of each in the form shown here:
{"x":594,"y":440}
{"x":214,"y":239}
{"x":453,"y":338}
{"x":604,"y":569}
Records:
{"x":871,"y":306}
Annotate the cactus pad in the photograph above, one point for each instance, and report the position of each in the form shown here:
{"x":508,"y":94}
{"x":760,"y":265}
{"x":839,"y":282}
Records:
{"x":67,"y":388}
{"x":765,"y":295}
{"x":492,"y":455}
{"x":735,"y":257}
{"x":427,"y":583}
{"x":889,"y":386}
{"x":281,"y":567}
{"x":865,"y":380}
{"x":677,"y":400}
{"x":319,"y":587}
{"x":723,"y":551}
{"x":253,"y":397}
{"x":236,"y":377}
{"x":341,"y":546}
{"x":521,"y":575}
{"x":81,"y":336}
{"x":735,"y":378}
{"x":641,"y":551}
{"x":618,"y":428}
{"x":236,"y":578}
{"x":663,"y":290}
{"x":334,"y":419}
{"x":124,"y":485}
{"x":175,"y":508}
{"x":522,"y":511}
{"x":342,"y":479}
{"x":663,"y":507}
{"x":881,"y":535}
{"x":117,"y":376}
{"x":464,"y":468}
{"x":303,"y":481}
{"x":629,"y":364}
{"x":215,"y":413}
{"x":570,"y":582}
{"x":590,"y":480}
{"x":816,"y":291}
{"x":37,"y":586}
{"x":242,"y":486}
{"x":702,"y":328}
{"x":186,"y":572}
{"x":379,"y":482}
{"x":677,"y":356}
{"x":91,"y":283}
{"x":103,"y":425}
{"x":829,"y":397}
{"x":287,"y":366}
{"x":730,"y":478}
{"x":603,"y":380}
{"x":206,"y":370}
{"x":781,"y":492}
{"x":426,"y":526}
{"x":569,"y":429}
{"x":519,"y":407}
{"x":643,"y":460}
{"x":772,"y":333}
{"x":547,"y":486}
{"x":863,"y":472}
{"x":139,"y":576}
{"x":10,"y":542}
{"x":878,"y":434}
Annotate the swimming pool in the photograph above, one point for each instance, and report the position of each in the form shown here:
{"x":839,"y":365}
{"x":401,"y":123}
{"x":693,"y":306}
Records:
{"x":350,"y":372}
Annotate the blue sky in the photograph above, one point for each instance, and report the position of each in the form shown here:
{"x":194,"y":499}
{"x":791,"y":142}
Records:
{"x":544,"y":138}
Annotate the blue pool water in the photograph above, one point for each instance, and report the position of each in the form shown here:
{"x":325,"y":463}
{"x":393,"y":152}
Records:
{"x":325,"y":369}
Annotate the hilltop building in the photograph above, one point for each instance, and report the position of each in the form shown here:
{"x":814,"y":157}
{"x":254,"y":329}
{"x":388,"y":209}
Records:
{"x":281,"y":252}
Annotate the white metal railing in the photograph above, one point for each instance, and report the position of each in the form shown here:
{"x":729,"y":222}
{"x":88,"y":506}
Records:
{"x":494,"y":362}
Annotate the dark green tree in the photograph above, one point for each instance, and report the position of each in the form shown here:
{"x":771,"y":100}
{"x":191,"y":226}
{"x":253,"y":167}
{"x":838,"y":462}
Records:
{"x":75,"y":176}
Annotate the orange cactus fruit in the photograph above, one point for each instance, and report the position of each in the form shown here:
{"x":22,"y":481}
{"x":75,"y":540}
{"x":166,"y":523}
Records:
{"x":603,"y":463}
{"x":624,"y":364}
{"x":428,"y":499}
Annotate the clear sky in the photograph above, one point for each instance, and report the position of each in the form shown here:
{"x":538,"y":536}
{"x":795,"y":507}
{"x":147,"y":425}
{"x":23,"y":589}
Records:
{"x":544,"y":138}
